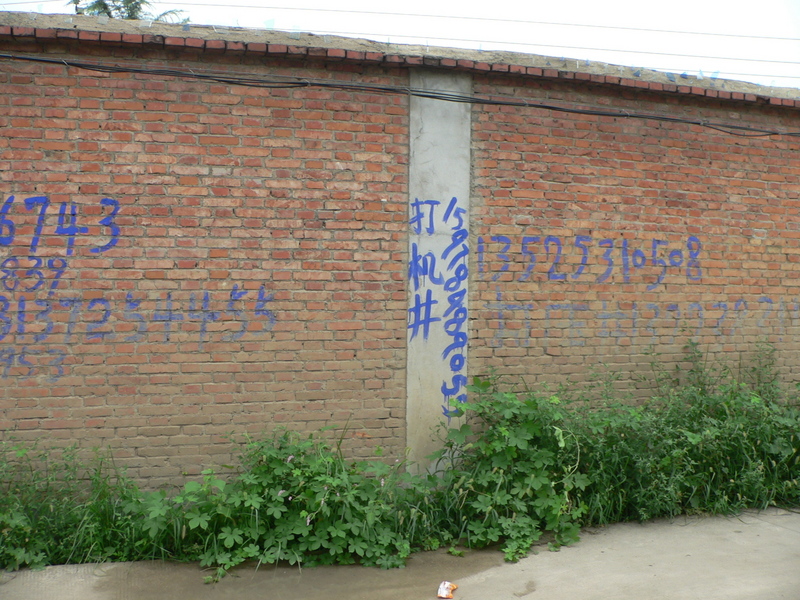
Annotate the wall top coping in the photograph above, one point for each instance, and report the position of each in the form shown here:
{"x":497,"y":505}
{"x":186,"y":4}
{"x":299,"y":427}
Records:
{"x":211,"y":39}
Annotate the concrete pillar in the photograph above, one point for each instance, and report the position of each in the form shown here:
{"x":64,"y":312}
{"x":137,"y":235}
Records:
{"x":438,"y":270}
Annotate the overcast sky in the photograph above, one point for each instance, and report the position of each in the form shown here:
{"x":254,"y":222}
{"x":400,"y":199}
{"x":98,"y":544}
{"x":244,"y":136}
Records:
{"x":734,"y":39}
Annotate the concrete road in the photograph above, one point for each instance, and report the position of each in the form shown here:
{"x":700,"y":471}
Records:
{"x":753,"y":556}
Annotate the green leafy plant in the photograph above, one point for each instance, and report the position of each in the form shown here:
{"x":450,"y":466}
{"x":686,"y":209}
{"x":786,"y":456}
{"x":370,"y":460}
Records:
{"x":510,"y":471}
{"x":297,"y":500}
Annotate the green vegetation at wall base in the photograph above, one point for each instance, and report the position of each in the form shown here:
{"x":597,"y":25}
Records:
{"x":516,"y":467}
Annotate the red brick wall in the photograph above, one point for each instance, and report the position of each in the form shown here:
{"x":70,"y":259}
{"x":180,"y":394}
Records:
{"x":722,"y":213}
{"x":185,"y":259}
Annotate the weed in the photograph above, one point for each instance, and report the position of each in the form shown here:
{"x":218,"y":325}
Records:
{"x":511,"y":471}
{"x":520,"y":464}
{"x":59,"y":511}
{"x":710,"y":444}
{"x":297,"y":500}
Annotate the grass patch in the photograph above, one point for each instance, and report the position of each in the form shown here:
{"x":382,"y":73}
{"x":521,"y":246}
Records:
{"x":66,"y":510}
{"x":708,"y":442}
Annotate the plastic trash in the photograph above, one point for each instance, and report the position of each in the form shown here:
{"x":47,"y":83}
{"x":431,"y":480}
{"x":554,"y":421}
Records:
{"x":446,"y":589}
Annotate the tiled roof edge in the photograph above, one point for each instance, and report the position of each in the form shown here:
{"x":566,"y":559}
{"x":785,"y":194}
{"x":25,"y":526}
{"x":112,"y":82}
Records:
{"x":377,"y":57}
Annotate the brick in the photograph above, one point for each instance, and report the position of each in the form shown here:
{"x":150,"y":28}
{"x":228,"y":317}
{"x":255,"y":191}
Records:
{"x":254,"y":47}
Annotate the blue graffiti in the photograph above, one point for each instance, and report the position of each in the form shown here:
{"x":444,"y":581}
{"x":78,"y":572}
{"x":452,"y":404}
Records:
{"x":420,"y":315}
{"x":31,"y":313}
{"x":419,"y":211}
{"x":423,"y":266}
{"x":574,"y":323}
{"x":449,"y":272}
{"x":522,"y":332}
{"x":109,"y":223}
{"x":575,"y":329}
{"x":614,"y":256}
{"x":166,"y":314}
{"x":67,"y":225}
{"x":26,"y":323}
{"x":456,"y":314}
{"x":14,"y":276}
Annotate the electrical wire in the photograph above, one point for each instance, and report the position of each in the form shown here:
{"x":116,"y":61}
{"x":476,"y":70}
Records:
{"x":473,"y":42}
{"x":288,"y":82}
{"x":449,"y":17}
{"x":485,"y":20}
{"x":717,"y":75}
{"x":559,"y":46}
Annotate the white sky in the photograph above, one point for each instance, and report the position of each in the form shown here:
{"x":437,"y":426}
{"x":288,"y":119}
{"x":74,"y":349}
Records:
{"x":733,"y":39}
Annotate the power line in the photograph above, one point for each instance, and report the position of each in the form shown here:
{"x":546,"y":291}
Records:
{"x":702,"y":74}
{"x":506,"y":42}
{"x":725,"y":74}
{"x":558,"y":47}
{"x":482,"y":19}
{"x":284,"y":82}
{"x":449,"y":17}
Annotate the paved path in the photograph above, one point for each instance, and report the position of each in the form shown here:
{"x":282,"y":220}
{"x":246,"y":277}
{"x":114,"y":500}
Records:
{"x":755,"y":556}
